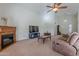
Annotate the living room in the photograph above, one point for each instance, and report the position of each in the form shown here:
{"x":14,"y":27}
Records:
{"x":23,"y":15}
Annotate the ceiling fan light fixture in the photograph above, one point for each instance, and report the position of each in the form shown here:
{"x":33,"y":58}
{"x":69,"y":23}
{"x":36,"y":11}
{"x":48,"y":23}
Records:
{"x":55,"y":9}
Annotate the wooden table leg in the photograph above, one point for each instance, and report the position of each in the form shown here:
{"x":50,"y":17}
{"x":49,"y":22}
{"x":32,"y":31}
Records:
{"x":38,"y":39}
{"x":43,"y":40}
{"x":50,"y":37}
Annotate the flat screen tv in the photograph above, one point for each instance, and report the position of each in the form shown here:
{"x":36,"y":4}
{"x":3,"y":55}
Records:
{"x":33,"y":29}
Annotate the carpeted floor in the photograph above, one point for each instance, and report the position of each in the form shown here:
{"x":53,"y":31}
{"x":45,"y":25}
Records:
{"x":30,"y":47}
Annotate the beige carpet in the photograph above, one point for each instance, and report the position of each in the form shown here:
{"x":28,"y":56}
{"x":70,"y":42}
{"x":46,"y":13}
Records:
{"x":30,"y":47}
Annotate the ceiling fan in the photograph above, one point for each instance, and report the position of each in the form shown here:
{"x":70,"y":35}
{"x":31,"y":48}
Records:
{"x":56,"y":6}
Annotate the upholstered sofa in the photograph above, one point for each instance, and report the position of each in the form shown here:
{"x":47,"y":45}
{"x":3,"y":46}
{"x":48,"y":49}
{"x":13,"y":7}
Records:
{"x":69,"y":47}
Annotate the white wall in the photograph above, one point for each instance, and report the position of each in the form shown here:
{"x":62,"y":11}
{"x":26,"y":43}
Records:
{"x":75,"y":23}
{"x":65,"y":21}
{"x":78,"y":20}
{"x":47,"y":22}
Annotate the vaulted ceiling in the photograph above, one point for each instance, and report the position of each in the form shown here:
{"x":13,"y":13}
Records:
{"x":41,"y":7}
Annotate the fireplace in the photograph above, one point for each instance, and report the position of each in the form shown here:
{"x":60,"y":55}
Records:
{"x":7,"y":36}
{"x":7,"y":39}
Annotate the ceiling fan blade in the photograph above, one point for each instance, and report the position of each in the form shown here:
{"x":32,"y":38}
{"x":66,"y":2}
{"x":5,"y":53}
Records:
{"x":62,"y":7}
{"x":49,"y":10}
{"x":54,"y":5}
{"x":58,"y":4}
{"x":49,"y":6}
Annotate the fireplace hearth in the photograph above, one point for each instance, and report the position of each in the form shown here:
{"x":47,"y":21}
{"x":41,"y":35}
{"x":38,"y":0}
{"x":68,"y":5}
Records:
{"x":7,"y":39}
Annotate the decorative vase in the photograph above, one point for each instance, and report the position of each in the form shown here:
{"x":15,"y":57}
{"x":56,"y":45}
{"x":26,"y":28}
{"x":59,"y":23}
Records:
{"x":3,"y":21}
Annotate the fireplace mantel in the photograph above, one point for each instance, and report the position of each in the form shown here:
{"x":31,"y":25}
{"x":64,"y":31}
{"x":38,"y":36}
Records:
{"x":5,"y":30}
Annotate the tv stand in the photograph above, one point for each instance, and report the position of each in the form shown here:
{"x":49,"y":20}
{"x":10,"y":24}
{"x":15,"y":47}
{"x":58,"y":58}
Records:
{"x":34,"y":35}
{"x":33,"y":32}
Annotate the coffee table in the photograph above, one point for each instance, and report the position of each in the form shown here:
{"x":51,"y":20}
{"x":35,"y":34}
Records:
{"x":44,"y":38}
